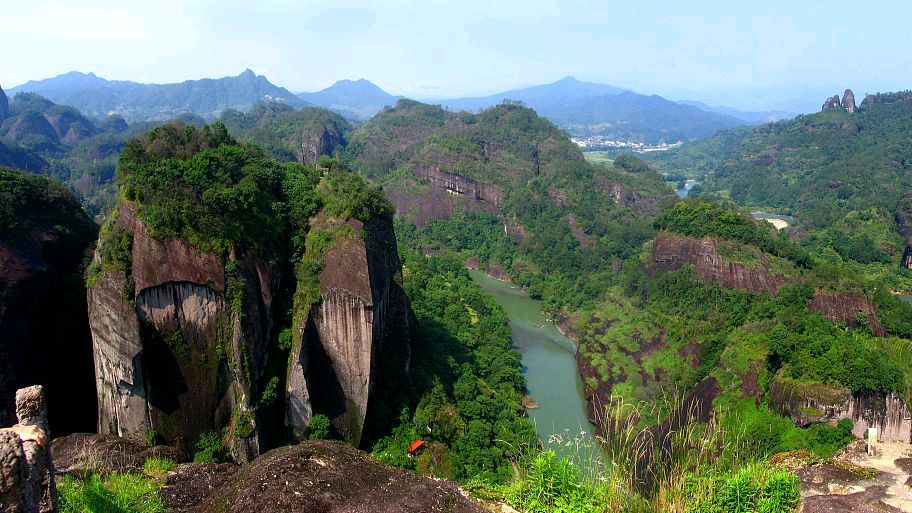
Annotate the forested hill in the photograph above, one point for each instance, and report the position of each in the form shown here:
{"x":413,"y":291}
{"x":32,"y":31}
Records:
{"x":818,"y":167}
{"x":510,"y":190}
{"x":134,"y":101}
{"x":836,"y":171}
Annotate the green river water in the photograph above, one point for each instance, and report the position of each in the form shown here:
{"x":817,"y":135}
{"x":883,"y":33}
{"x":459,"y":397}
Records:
{"x":908,"y":299}
{"x":549,"y":363}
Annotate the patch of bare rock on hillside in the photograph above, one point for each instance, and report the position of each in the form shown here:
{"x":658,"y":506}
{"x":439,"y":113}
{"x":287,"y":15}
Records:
{"x":853,"y":481}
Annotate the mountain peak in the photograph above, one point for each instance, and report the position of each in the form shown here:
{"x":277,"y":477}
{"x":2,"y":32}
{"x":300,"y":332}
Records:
{"x":247,"y":73}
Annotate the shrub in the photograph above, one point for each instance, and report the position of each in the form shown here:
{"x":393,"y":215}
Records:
{"x":319,"y":427}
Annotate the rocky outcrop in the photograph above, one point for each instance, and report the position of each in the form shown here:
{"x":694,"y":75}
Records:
{"x":333,"y":365}
{"x":849,"y":309}
{"x":171,"y":356}
{"x":831,"y":103}
{"x":441,"y":195}
{"x":82,"y":454}
{"x":625,"y":196}
{"x":807,"y":404}
{"x":320,"y":141}
{"x":314,"y":477}
{"x":183,"y":340}
{"x":44,"y":328}
{"x":27,"y":483}
{"x":848,"y":101}
{"x":672,"y":252}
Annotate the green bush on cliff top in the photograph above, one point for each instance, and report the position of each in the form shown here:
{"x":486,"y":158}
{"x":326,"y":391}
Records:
{"x":202,"y":185}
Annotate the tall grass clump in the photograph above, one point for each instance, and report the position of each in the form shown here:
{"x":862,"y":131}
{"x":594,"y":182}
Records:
{"x":112,"y":493}
{"x":670,"y":457}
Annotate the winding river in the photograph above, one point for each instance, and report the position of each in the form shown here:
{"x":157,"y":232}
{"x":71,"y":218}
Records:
{"x":549,"y":363}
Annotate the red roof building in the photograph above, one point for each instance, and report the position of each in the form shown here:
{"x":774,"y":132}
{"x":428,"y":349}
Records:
{"x":415,"y":446}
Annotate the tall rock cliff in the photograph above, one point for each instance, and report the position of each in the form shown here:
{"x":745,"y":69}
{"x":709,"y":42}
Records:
{"x":338,"y":340}
{"x":44,"y":331}
{"x":181,"y":338}
{"x":188,"y":325}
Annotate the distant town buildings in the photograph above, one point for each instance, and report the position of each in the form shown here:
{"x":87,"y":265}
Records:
{"x":598,"y":142}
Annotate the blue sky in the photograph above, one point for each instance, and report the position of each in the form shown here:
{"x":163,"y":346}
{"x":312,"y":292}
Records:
{"x":740,"y":53}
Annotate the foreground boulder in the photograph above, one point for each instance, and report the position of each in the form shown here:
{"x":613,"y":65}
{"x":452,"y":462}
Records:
{"x":27,"y":482}
{"x":314,"y":477}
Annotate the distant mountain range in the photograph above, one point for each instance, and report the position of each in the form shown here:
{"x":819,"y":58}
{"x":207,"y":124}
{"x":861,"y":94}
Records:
{"x":754,"y":118}
{"x":98,"y":97}
{"x":590,"y":109}
{"x":357,"y":100}
{"x":581,"y":108}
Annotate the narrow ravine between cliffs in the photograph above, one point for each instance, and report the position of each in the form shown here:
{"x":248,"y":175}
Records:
{"x":549,"y":365}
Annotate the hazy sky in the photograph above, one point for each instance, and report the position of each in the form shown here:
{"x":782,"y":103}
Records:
{"x":739,"y":52}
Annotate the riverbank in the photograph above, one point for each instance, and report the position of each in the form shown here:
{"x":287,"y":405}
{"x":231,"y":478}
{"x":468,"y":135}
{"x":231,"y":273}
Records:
{"x":549,"y":363}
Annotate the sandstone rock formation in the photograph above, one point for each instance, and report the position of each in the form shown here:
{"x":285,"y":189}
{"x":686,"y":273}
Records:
{"x":848,"y":101}
{"x":333,"y":362}
{"x":672,"y":252}
{"x":443,"y":193}
{"x":625,"y":196}
{"x":44,"y":328}
{"x":182,"y":339}
{"x":318,"y":142}
{"x":807,"y":404}
{"x":831,"y":103}
{"x":27,"y":483}
{"x":847,"y":308}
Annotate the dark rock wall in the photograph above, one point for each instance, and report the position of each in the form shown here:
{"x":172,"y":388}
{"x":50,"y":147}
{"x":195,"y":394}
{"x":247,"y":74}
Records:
{"x":44,"y":328}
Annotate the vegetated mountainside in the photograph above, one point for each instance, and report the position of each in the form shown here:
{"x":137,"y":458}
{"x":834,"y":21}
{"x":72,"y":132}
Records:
{"x":234,"y":295}
{"x":44,"y":240}
{"x":585,"y":108}
{"x":357,"y":100}
{"x":133,"y":101}
{"x":288,"y":134}
{"x":842,"y":174}
{"x":58,"y":141}
{"x":723,"y":308}
{"x":508,"y":188}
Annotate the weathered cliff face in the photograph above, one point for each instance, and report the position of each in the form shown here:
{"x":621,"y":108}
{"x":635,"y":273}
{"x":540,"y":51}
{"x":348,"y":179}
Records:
{"x":442,"y":194}
{"x":625,"y":196}
{"x":672,"y":252}
{"x":171,"y":354}
{"x":362,"y":311}
{"x":831,"y":103}
{"x":44,"y":329}
{"x":904,"y":225}
{"x":847,"y":308}
{"x":320,"y":141}
{"x":807,"y":404}
{"x":848,"y":101}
